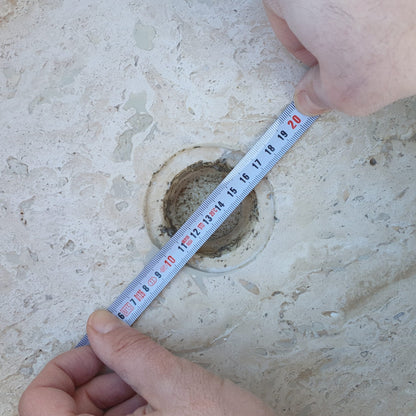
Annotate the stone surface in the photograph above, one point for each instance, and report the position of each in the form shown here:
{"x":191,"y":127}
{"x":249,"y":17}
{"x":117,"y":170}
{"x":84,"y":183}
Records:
{"x":95,"y":98}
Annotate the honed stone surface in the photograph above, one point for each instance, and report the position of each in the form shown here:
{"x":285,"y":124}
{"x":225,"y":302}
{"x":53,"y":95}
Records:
{"x":95,"y":99}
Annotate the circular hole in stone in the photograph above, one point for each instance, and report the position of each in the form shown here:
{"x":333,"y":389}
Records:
{"x":179,"y":187}
{"x":187,"y":192}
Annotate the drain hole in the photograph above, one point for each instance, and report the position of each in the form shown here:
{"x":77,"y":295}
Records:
{"x":189,"y":189}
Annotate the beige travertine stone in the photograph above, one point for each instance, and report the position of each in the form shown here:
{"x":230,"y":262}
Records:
{"x":95,"y":97}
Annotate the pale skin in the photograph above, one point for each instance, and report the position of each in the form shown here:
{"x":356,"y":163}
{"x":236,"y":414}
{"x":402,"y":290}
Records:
{"x":362,"y":57}
{"x":361,"y":54}
{"x":145,"y":379}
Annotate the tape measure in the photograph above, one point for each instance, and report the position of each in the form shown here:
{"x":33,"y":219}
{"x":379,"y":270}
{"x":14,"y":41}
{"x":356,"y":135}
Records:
{"x":163,"y":267}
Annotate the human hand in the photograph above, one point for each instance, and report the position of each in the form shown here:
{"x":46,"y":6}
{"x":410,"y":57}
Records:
{"x":147,"y":379}
{"x":362,"y":53}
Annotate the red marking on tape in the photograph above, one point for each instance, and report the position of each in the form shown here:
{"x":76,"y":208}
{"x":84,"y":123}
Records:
{"x":127,"y":309}
{"x":152,"y":281}
{"x":140,"y":295}
{"x":201,"y":225}
{"x":187,"y":240}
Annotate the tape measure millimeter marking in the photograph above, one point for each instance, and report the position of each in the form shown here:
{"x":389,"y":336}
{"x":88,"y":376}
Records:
{"x":163,"y":267}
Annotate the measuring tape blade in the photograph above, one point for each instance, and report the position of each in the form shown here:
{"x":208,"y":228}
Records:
{"x":216,"y":208}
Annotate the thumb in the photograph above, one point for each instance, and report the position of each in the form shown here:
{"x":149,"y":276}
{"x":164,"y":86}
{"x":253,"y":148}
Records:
{"x":310,"y":98}
{"x":142,"y":363}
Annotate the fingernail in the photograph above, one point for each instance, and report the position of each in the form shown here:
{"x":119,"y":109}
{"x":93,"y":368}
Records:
{"x":103,"y":322}
{"x":307,"y":106}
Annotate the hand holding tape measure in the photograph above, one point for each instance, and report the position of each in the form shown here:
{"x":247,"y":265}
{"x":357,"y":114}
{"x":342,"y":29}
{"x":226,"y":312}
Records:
{"x":355,"y":80}
{"x":361,"y":54}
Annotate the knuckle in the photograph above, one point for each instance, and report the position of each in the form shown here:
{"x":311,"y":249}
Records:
{"x":129,"y":342}
{"x":24,"y":405}
{"x":354,"y":95}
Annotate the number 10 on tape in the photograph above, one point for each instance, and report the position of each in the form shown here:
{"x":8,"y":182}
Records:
{"x":163,"y":267}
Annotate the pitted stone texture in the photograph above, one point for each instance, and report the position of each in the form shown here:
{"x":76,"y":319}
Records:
{"x":95,"y":98}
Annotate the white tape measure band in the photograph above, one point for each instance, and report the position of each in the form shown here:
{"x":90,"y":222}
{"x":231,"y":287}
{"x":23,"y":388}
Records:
{"x":216,"y":208}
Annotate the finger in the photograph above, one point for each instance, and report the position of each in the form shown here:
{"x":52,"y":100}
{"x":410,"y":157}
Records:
{"x":148,"y":368}
{"x":102,"y":392}
{"x":128,"y":407}
{"x":42,"y":401}
{"x":51,"y":391}
{"x":310,"y":98}
{"x":288,"y":39}
{"x":145,"y":410}
{"x":69,"y":370}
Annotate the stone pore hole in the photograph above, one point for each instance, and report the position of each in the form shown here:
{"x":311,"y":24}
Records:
{"x":189,"y":189}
